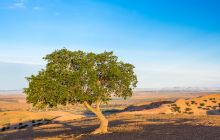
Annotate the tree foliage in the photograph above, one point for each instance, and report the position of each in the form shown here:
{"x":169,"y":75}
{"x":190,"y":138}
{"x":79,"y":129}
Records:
{"x":78,"y":77}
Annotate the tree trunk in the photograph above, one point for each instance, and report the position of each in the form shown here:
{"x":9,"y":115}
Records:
{"x":103,"y":128}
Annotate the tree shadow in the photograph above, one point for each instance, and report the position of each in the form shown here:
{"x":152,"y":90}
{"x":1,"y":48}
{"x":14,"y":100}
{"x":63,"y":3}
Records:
{"x":213,"y":112}
{"x":157,"y":129}
{"x":37,"y":130}
{"x":129,"y":108}
{"x":105,"y":112}
{"x":25,"y":124}
{"x":169,"y":131}
{"x":147,"y":106}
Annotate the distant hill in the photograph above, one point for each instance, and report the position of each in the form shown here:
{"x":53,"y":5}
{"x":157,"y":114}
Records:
{"x":183,"y":89}
{"x":11,"y":92}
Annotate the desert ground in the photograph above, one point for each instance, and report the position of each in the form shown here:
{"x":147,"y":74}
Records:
{"x":147,"y":115}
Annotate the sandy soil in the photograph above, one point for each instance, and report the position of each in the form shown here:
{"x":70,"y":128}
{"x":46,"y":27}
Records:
{"x":202,"y":105}
{"x":127,"y":122}
{"x":127,"y":127}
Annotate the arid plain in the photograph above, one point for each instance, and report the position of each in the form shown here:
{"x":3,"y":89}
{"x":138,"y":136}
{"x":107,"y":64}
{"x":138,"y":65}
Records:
{"x":167,"y":115}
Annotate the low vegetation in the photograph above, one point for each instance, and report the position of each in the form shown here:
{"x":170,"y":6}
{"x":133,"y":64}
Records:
{"x":200,"y":105}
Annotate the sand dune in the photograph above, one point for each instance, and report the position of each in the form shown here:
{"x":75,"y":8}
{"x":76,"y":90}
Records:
{"x":208,"y":104}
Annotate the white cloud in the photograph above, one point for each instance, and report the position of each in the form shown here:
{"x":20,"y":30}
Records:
{"x":18,"y":4}
{"x":36,"y":8}
{"x":57,"y":13}
{"x":22,"y":60}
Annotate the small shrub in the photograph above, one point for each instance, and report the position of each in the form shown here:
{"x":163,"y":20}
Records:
{"x":3,"y":128}
{"x":190,"y":112}
{"x":187,"y":103}
{"x":214,"y":107}
{"x":176,"y":109}
{"x":188,"y":109}
{"x":202,"y":104}
{"x":47,"y":120}
{"x":205,"y":100}
{"x":199,"y":107}
{"x":214,"y":101}
{"x":39,"y":124}
{"x":193,"y":102}
{"x":24,"y":126}
{"x":7,"y":124}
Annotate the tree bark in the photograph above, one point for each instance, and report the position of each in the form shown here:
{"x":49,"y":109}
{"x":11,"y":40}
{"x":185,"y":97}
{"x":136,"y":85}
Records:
{"x":103,"y":128}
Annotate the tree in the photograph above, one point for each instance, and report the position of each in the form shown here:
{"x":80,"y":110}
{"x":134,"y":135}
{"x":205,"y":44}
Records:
{"x":77,"y":77}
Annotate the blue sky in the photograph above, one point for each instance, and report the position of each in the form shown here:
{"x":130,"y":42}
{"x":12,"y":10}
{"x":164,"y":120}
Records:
{"x":171,"y":43}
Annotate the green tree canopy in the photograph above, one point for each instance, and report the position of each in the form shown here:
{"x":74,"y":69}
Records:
{"x":80,"y":77}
